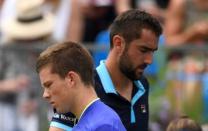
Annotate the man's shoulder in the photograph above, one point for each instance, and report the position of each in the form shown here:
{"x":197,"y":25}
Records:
{"x":107,"y":119}
{"x":102,"y":113}
{"x":102,"y":110}
{"x":98,"y":115}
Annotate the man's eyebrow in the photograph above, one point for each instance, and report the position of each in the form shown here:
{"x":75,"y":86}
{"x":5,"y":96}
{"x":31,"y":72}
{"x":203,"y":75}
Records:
{"x":147,"y":48}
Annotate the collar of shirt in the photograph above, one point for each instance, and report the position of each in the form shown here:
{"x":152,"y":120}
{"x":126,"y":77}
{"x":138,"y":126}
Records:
{"x":88,"y":105}
{"x":107,"y":82}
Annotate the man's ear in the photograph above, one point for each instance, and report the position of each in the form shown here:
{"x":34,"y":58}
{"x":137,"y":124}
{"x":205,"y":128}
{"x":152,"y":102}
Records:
{"x":118,"y":43}
{"x":71,"y":78}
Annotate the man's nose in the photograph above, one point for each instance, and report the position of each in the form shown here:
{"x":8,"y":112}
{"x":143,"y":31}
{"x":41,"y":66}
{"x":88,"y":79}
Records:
{"x":46,"y":95}
{"x":148,"y":58}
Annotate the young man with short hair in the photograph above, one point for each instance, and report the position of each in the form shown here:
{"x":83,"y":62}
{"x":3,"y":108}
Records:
{"x":66,"y":74}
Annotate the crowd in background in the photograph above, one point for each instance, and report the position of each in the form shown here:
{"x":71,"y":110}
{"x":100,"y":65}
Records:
{"x":179,"y":74}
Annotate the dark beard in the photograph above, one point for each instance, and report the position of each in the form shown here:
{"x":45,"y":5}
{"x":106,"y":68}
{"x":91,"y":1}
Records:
{"x":126,"y":67}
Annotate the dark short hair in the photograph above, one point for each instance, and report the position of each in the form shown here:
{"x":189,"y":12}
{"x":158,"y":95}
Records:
{"x":130,"y":24}
{"x":65,"y":57}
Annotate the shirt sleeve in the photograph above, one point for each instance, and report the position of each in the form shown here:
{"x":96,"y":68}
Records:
{"x":63,"y":121}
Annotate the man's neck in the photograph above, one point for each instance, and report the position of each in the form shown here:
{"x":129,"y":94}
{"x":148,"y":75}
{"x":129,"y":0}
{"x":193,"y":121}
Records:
{"x":83,"y":101}
{"x":122,"y":84}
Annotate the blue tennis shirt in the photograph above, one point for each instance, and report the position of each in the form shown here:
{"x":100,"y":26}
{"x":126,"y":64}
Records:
{"x":99,"y":117}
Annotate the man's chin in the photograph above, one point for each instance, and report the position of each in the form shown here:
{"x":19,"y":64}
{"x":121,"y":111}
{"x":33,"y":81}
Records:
{"x":135,"y":78}
{"x":138,"y":76}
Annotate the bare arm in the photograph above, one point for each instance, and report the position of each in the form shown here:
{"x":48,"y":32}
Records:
{"x":174,"y":31}
{"x":122,"y":5}
{"x":76,"y":23}
{"x":14,"y":85}
{"x":1,"y":2}
{"x":174,"y":22}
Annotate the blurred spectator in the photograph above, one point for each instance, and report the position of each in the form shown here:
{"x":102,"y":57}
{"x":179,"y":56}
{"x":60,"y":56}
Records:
{"x":19,"y":86}
{"x":156,"y":7}
{"x":98,"y":15}
{"x":8,"y":90}
{"x":186,"y":22}
{"x":75,"y":28}
{"x":65,"y":27}
{"x":68,"y":21}
{"x":184,"y":124}
{"x":25,"y":23}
